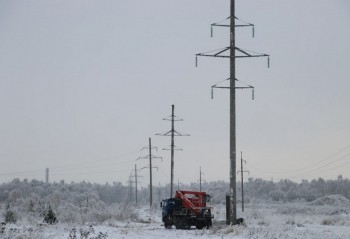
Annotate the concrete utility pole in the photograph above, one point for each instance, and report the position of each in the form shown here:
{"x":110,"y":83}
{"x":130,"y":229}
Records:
{"x":159,"y":193}
{"x":135,"y":183}
{"x":150,"y":157}
{"x":150,"y":172}
{"x":233,"y":215}
{"x":130,"y":188}
{"x":242,"y":182}
{"x":242,"y":171}
{"x":172,"y":145}
{"x":200,"y":179}
{"x":47,"y":175}
{"x":222,"y":53}
{"x":172,"y":133}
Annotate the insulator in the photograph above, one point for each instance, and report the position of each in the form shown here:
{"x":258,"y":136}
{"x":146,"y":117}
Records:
{"x":212,"y":93}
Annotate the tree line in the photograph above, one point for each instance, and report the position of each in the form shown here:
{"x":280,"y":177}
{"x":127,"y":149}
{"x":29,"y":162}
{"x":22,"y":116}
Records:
{"x":84,"y":201}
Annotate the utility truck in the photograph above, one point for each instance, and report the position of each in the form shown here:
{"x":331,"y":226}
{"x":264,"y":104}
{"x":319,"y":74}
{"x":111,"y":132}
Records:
{"x":186,"y":209}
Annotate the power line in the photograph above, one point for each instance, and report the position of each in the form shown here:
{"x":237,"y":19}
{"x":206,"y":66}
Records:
{"x":98,"y":160}
{"x":316,"y":171}
{"x":312,"y":165}
{"x":70,"y":167}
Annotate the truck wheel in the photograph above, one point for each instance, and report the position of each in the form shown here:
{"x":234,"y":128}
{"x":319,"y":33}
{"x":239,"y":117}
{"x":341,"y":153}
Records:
{"x":209,"y":223}
{"x":178,"y":225}
{"x":167,"y":226}
{"x":199,"y":226}
{"x":177,"y":222}
{"x":167,"y":222}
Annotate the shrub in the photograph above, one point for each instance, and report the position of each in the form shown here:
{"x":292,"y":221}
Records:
{"x":10,"y":216}
{"x":50,"y":216}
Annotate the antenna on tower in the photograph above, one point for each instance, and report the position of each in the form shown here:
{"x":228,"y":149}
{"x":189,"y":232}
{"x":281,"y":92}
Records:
{"x":232,"y":52}
{"x":172,"y":133}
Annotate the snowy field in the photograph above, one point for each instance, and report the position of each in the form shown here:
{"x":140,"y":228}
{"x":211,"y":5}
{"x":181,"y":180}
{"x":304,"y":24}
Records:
{"x":324,"y":218}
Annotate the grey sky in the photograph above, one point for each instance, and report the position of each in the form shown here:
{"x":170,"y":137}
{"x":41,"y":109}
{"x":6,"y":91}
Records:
{"x":83,"y":84}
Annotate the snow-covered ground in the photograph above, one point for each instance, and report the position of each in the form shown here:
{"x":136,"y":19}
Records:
{"x":324,"y":218}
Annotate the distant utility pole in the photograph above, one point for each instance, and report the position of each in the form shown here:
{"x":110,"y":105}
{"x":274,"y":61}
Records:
{"x":130,"y":182}
{"x":135,"y":183}
{"x":200,"y":179}
{"x":242,"y":171}
{"x":135,"y":176}
{"x":136,"y":179}
{"x":172,"y":133}
{"x":150,"y":157}
{"x":231,"y":49}
{"x":159,"y":193}
{"x":47,"y":175}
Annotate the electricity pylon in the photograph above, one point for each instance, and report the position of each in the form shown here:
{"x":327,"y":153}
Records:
{"x":172,"y":133}
{"x":230,"y":52}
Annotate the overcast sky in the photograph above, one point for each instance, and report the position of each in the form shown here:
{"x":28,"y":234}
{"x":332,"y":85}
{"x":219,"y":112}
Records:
{"x":84,"y":84}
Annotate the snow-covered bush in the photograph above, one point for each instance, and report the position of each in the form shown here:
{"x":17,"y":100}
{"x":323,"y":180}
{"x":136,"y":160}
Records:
{"x":10,"y":215}
{"x":332,"y":200}
{"x":68,"y":213}
{"x":99,"y":215}
{"x":329,"y":221}
{"x":276,"y":195}
{"x":123,"y":212}
{"x":50,"y":216}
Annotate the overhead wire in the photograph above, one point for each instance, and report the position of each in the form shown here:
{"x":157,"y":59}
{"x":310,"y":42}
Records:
{"x":97,"y":160}
{"x":310,"y":165}
{"x":70,"y":167}
{"x":314,"y":167}
{"x":327,"y":170}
